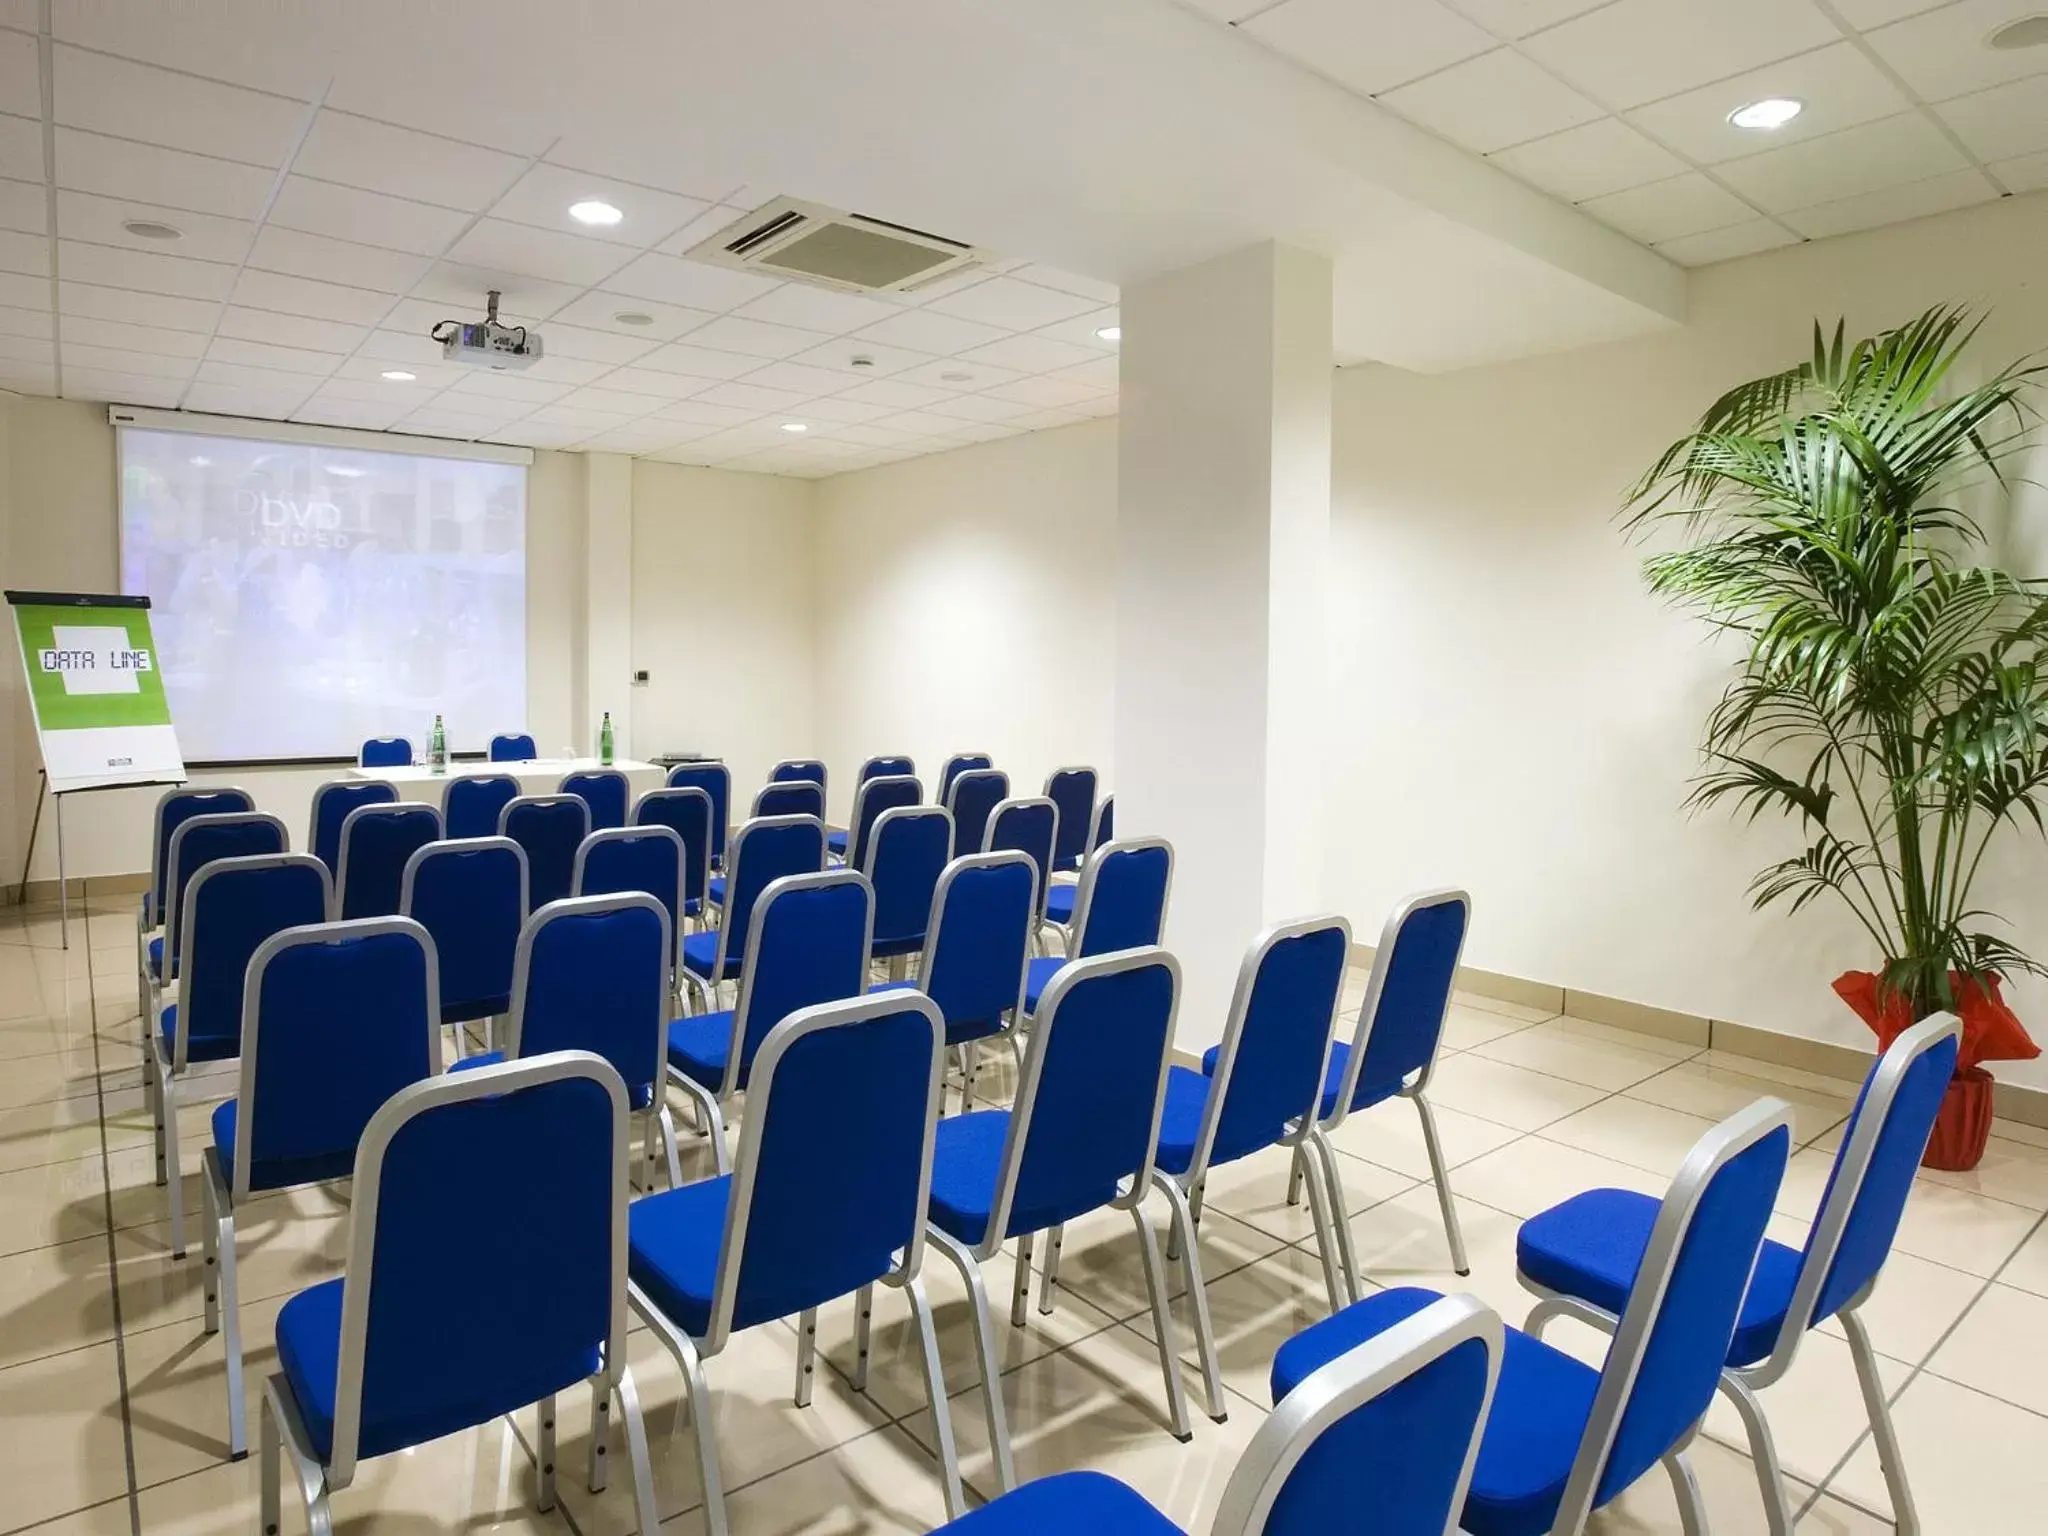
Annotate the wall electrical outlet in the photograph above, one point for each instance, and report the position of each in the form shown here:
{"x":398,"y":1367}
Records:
{"x":640,"y":677}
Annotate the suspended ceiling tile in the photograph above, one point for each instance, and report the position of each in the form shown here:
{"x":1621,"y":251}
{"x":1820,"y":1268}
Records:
{"x":1370,"y":48}
{"x":1942,"y":53}
{"x":1491,"y":102}
{"x":553,"y":255}
{"x":1725,"y":244}
{"x":424,"y":167}
{"x":1892,"y":205}
{"x":103,"y":94}
{"x":350,"y":213}
{"x":1664,"y":210}
{"x":1890,"y":152}
{"x":298,"y":254}
{"x":2003,"y":122}
{"x":144,"y":271}
{"x":91,"y":162}
{"x":1012,"y":304}
{"x":1591,"y":160}
{"x":544,"y":195}
{"x":1635,"y":51}
{"x":1838,"y":86}
{"x":102,"y":221}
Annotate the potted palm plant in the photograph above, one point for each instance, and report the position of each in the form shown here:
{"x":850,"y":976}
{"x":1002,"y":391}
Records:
{"x":1893,"y":699}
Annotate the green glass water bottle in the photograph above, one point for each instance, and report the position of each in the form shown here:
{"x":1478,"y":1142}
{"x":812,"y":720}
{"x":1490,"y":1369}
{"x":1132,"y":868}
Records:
{"x":604,"y":740}
{"x":437,"y":748}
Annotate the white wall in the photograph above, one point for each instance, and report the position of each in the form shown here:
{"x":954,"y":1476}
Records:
{"x":966,"y":603}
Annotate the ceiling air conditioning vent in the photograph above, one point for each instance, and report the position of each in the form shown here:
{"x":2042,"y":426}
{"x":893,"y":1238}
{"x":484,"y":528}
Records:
{"x":807,"y":243}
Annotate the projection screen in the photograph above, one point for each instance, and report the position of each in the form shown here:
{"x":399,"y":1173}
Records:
{"x":309,"y":596}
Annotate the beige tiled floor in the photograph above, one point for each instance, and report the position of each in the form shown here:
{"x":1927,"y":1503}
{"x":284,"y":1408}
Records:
{"x":112,"y":1419}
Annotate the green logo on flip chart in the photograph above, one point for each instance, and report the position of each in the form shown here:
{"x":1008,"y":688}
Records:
{"x":92,"y":667}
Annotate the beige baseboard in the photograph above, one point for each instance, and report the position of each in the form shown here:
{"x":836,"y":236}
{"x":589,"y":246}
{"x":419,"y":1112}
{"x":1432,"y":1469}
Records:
{"x":39,"y":891}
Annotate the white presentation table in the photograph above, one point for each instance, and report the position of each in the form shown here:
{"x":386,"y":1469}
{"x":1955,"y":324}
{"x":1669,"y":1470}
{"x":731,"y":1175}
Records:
{"x":536,"y":776}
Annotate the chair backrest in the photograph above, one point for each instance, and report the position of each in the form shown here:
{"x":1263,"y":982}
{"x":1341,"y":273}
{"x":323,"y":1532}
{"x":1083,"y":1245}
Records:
{"x":977,"y":945}
{"x":1396,"y":1419}
{"x":1030,"y":827}
{"x":605,"y":790}
{"x":336,"y":1018}
{"x":973,"y":799}
{"x":1859,"y":1213}
{"x":474,"y":801}
{"x":376,"y":841}
{"x":1073,"y":791}
{"x":798,"y":770}
{"x":550,"y":828}
{"x":534,"y":1247}
{"x":901,"y":766}
{"x":1086,"y":1115}
{"x":591,"y":974}
{"x":789,"y":797}
{"x":808,"y":944}
{"x":1407,"y":997}
{"x":870,"y":800}
{"x":513,"y":747}
{"x":195,"y":843}
{"x":1121,"y":903}
{"x":175,"y":807}
{"x":1105,"y":824}
{"x":231,"y":907}
{"x":954,"y":766}
{"x":687,"y":812}
{"x":764,"y":850}
{"x":1665,"y":1362}
{"x":332,"y":802}
{"x":905,"y":855}
{"x":715,"y":779}
{"x":1268,"y":1080}
{"x":649,"y":859}
{"x":385,"y":752}
{"x":834,"y":1165}
{"x":470,"y":895}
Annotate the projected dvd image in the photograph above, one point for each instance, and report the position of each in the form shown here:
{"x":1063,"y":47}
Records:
{"x":307,"y":598}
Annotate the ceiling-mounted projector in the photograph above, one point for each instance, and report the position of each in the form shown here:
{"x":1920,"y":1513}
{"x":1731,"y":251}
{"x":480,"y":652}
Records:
{"x":485,"y":343}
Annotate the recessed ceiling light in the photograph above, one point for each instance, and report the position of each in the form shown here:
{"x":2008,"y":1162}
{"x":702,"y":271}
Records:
{"x":594,"y":212}
{"x":1110,"y":333}
{"x":399,"y":375}
{"x":2027,"y":32}
{"x":633,"y":317}
{"x":796,"y":426}
{"x":1771,"y":112}
{"x":200,"y":460}
{"x":150,"y":229}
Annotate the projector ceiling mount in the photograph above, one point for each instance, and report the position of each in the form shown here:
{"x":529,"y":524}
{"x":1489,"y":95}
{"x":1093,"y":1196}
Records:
{"x":485,"y":343}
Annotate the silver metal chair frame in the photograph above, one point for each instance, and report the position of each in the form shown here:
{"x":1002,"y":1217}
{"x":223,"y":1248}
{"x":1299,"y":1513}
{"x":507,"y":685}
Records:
{"x":633,"y":832}
{"x":1084,"y":899}
{"x":348,"y":822}
{"x":934,"y":929}
{"x":153,"y":988}
{"x":321,"y":792}
{"x":148,"y":920}
{"x":685,"y":792}
{"x":860,"y":797}
{"x":455,"y":845}
{"x":1044,"y":881}
{"x":706,"y":992}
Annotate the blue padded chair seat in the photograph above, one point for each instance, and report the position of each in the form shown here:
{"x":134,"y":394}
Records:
{"x":1539,"y":1413}
{"x":672,"y":1249}
{"x":1333,"y":1080}
{"x":1060,"y":897}
{"x":1067,"y":1501}
{"x":1591,"y":1245}
{"x":716,"y":889}
{"x":309,"y":1350}
{"x":476,"y":1008}
{"x":1038,"y":975}
{"x":700,"y":954}
{"x":956,"y":1034}
{"x":835,"y":842}
{"x":276,"y":1173}
{"x":967,"y":1156}
{"x":699,"y":1047}
{"x":155,"y":952}
{"x":199,"y":1047}
{"x":1187,"y":1095}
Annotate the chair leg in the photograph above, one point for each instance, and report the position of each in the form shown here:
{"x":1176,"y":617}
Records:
{"x":1020,"y":1293}
{"x":1049,"y":1273}
{"x":599,"y":1475}
{"x":1692,"y":1509}
{"x":697,"y":1397}
{"x":863,"y":1335}
{"x":153,"y":1092}
{"x":708,"y":1118}
{"x":985,"y":1355}
{"x":935,"y":1392}
{"x":284,"y":1433}
{"x":649,"y":1514}
{"x":231,"y":1333}
{"x":1904,"y":1515}
{"x":1763,"y":1453}
{"x":270,"y":1453}
{"x":970,"y":1060}
{"x":668,"y":1145}
{"x":1162,"y":1325}
{"x":546,"y":1455}
{"x":1295,"y":1176}
{"x":172,"y":1161}
{"x":209,"y":1239}
{"x":1443,"y":1186}
{"x":1320,"y":1202}
{"x":806,"y":1355}
{"x":1340,"y":1209}
{"x":1198,"y":1294}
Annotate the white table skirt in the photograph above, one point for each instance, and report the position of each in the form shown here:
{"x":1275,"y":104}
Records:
{"x":538,"y":776}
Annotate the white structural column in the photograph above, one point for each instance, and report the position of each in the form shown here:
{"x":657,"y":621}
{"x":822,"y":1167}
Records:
{"x":1223,"y":518}
{"x":607,"y":673}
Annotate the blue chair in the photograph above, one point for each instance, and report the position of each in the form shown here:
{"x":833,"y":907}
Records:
{"x":336,"y":1018}
{"x":798,"y":770}
{"x":649,"y":859}
{"x":230,"y":908}
{"x":715,"y":779}
{"x":1266,"y":1087}
{"x":973,"y":963}
{"x":972,"y":800}
{"x":901,"y":766}
{"x":1030,"y":827}
{"x":474,"y":801}
{"x":763,"y":851}
{"x":790,"y":797}
{"x":1383,"y":1438}
{"x":1060,"y":897}
{"x":470,"y":896}
{"x":870,"y":800}
{"x":175,"y":807}
{"x":807,"y":943}
{"x":194,"y":843}
{"x":1078,"y":1138}
{"x":1073,"y":791}
{"x":550,"y":828}
{"x":455,"y":1311}
{"x":385,"y":752}
{"x":954,"y":766}
{"x":332,"y":802}
{"x":829,"y":1198}
{"x":687,"y":813}
{"x":906,"y":855}
{"x":1565,"y":1438}
{"x":376,"y":842}
{"x":513,"y":747}
{"x":1122,"y":905}
{"x":1393,"y":1054}
{"x":1580,"y":1257}
{"x":606,"y":791}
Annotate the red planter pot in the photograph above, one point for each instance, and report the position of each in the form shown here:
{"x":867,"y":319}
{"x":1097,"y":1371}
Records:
{"x":1962,"y":1124}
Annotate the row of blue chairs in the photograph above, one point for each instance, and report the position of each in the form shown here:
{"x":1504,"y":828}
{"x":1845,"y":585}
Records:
{"x":396,"y":751}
